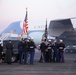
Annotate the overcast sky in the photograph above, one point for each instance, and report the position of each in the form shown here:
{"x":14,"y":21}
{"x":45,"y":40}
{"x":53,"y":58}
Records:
{"x":38,"y":11}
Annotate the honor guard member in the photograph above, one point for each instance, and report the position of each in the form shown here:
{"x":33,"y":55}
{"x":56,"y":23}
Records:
{"x":20,"y":50}
{"x":49,"y":51}
{"x":25,"y":50}
{"x":9,"y":52}
{"x":55,"y":51}
{"x":61,"y":47}
{"x":32,"y":47}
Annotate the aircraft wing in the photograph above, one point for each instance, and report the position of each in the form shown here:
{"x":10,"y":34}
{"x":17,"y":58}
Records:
{"x":57,"y":27}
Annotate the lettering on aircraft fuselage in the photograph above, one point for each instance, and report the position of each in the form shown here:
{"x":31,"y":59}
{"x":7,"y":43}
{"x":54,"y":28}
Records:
{"x":39,"y":27}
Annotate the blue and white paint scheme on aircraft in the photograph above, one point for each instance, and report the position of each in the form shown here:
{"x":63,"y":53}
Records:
{"x":35,"y":31}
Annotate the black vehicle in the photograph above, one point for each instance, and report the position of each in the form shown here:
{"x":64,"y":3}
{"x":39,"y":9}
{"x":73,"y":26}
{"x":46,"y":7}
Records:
{"x":70,"y":49}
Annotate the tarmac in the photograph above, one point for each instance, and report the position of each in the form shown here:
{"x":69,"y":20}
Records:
{"x":67,"y":68}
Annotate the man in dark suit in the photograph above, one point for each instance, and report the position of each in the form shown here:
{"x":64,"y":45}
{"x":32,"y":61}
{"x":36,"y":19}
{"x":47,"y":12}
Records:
{"x":55,"y":51}
{"x":1,"y":49}
{"x":20,"y":50}
{"x":43,"y":49}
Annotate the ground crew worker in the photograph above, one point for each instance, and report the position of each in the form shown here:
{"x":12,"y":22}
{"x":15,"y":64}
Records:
{"x":20,"y":50}
{"x":32,"y":47}
{"x":61,"y":47}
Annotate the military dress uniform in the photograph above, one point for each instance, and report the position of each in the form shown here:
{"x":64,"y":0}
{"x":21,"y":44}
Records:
{"x":31,"y":46}
{"x":61,"y":47}
{"x":49,"y":52}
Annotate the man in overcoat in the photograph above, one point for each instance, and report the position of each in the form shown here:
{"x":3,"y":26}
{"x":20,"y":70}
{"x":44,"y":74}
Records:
{"x":9,"y":52}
